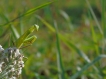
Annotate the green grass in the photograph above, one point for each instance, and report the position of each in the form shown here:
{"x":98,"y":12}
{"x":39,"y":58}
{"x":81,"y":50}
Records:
{"x":70,"y":44}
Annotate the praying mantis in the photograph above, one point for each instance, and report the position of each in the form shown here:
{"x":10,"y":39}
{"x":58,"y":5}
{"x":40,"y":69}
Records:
{"x":25,"y":39}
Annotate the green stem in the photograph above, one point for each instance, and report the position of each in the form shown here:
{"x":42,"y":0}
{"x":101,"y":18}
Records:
{"x":103,"y":24}
{"x":59,"y":58}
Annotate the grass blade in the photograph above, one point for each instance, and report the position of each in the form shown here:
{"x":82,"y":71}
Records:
{"x":87,"y":66}
{"x":103,"y":24}
{"x":15,"y":32}
{"x":34,"y":9}
{"x":94,"y":35}
{"x":67,"y":18}
{"x":93,"y":14}
{"x":47,"y":24}
{"x":59,"y":58}
{"x":103,"y":17}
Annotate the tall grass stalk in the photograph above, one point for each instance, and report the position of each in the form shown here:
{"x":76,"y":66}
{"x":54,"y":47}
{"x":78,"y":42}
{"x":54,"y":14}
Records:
{"x":94,"y":35}
{"x":103,"y":17}
{"x":59,"y":57}
{"x":103,"y":24}
{"x":94,"y":16}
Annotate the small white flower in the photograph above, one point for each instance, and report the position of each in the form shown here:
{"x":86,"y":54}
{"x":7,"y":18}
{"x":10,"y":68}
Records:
{"x":1,"y":66}
{"x":0,"y":70}
{"x":12,"y":58}
{"x":1,"y":49}
{"x":19,"y":71}
{"x":12,"y":70}
{"x":21,"y":62}
{"x":14,"y":62}
{"x":22,"y":65}
{"x":11,"y":66}
{"x":13,"y":77}
{"x":17,"y":53}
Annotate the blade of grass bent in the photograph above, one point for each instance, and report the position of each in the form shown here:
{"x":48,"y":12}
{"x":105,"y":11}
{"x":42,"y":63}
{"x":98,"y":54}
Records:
{"x":59,"y":58}
{"x":87,"y":66}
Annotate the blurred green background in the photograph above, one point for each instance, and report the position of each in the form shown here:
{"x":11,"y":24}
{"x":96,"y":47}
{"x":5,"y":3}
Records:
{"x":70,"y":37}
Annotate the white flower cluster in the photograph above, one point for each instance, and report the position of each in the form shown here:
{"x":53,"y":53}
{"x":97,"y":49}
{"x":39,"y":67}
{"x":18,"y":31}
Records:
{"x":11,"y":63}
